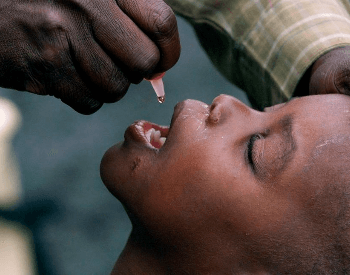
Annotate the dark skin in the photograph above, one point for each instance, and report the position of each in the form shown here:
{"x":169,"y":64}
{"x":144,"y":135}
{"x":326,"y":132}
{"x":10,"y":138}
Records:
{"x":85,"y":52}
{"x":237,"y":191}
{"x":330,"y":74}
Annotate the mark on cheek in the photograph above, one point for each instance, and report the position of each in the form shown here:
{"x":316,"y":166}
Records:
{"x":336,"y":139}
{"x":136,"y":163}
{"x":324,"y":143}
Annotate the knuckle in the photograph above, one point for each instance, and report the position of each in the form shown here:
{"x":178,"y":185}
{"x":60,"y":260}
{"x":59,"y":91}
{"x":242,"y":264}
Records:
{"x":164,"y":20}
{"x":48,"y":21}
{"x":54,"y":20}
{"x":48,"y":36}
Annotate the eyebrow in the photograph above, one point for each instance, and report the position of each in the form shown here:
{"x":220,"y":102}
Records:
{"x":280,"y":105}
{"x":290,"y":146}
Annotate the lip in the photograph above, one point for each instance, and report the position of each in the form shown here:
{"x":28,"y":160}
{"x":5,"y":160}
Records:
{"x":177,"y":110}
{"x":199,"y":106}
{"x":137,"y":132}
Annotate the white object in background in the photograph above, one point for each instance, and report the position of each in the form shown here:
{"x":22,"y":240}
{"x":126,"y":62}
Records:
{"x":16,"y":253}
{"x":10,"y":182}
{"x":16,"y":245}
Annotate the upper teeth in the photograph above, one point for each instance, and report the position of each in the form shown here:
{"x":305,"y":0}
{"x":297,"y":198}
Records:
{"x":154,"y":136}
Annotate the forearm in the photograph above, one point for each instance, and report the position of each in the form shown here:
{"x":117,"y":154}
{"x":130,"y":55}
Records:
{"x":266,"y":49}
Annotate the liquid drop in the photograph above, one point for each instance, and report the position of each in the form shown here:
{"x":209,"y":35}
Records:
{"x":161,"y":99}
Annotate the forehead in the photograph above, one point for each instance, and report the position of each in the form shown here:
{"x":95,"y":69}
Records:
{"x":324,"y":113}
{"x":323,"y":127}
{"x":321,"y":104}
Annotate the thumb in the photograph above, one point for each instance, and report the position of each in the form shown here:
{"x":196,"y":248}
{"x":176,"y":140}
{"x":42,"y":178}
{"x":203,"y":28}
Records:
{"x":342,"y":78}
{"x":331,"y":73}
{"x":322,"y":80}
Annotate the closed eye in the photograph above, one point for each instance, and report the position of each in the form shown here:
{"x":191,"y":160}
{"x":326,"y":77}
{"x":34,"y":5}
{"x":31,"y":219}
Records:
{"x":250,"y":149}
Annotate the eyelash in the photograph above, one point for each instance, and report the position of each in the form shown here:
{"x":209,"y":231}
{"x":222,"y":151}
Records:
{"x":250,"y":151}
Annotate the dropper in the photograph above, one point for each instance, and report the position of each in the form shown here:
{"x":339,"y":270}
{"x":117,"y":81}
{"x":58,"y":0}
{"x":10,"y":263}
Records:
{"x":158,"y":86}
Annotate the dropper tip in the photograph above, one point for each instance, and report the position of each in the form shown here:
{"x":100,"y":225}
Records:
{"x":158,"y":86}
{"x":161,"y":99}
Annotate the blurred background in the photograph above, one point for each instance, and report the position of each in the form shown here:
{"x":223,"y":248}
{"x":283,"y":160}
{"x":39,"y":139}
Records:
{"x":56,"y":216}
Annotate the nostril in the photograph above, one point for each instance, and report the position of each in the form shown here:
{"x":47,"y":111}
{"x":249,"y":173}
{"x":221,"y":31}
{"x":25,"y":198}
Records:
{"x":214,"y":118}
{"x":222,"y":107}
{"x":214,"y":114}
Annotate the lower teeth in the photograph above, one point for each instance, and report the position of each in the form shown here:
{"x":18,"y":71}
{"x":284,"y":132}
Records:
{"x":162,"y":140}
{"x":155,"y":138}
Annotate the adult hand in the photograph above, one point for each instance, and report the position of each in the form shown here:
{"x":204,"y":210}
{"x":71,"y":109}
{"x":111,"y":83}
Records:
{"x":330,"y":74}
{"x":85,"y":52}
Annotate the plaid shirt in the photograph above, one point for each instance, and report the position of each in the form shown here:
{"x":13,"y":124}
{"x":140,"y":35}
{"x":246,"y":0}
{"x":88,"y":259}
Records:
{"x":265,"y":46}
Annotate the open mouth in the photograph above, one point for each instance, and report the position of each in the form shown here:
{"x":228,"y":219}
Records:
{"x":148,"y":133}
{"x":156,"y":135}
{"x":155,"y":138}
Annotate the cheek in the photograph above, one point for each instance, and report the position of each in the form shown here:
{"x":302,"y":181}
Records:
{"x":244,"y":204}
{"x":182,"y":192}
{"x":180,"y":177}
{"x":192,"y":187}
{"x":109,"y":166}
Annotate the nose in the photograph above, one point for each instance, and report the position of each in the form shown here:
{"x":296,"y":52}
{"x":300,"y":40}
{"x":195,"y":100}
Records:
{"x":224,"y":106}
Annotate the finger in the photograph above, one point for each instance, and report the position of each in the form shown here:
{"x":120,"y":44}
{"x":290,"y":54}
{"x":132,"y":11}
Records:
{"x":158,"y":21}
{"x":329,"y":74}
{"x":342,"y":78}
{"x":322,"y":80}
{"x":106,"y":81}
{"x":125,"y":43}
{"x":76,"y":94}
{"x":65,"y":84}
{"x":82,"y":103}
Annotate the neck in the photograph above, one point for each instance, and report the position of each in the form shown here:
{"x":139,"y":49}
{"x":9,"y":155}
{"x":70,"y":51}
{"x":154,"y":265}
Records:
{"x":136,"y":260}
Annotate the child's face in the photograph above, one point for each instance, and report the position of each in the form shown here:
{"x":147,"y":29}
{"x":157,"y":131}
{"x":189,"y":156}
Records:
{"x":231,"y":179}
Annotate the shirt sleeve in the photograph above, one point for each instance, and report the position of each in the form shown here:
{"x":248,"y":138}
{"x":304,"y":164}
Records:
{"x":265,"y":46}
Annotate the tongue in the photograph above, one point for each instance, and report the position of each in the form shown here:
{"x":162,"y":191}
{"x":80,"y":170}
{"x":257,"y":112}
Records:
{"x":156,"y":144}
